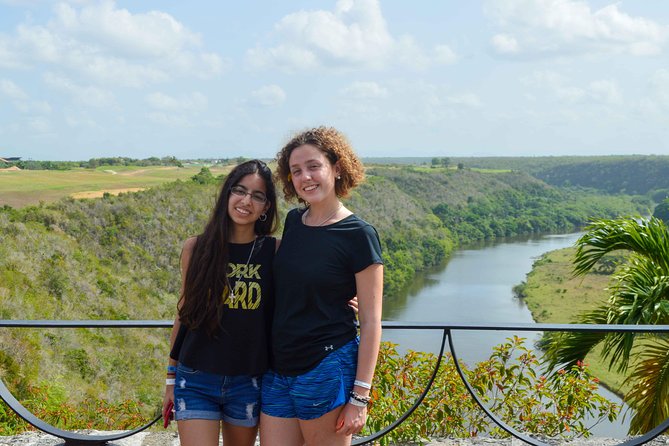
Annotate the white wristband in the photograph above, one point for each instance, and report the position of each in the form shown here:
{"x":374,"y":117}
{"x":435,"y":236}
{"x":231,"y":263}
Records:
{"x":362,"y":384}
{"x":356,"y":402}
{"x":170,"y":381}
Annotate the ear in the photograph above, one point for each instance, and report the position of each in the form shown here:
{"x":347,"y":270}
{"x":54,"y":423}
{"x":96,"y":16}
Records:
{"x":337,"y":169}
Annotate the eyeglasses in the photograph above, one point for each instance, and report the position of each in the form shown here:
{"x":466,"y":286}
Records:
{"x":257,"y":197}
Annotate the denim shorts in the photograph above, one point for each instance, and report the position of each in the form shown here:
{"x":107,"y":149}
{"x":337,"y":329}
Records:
{"x":316,"y":392}
{"x":206,"y":396}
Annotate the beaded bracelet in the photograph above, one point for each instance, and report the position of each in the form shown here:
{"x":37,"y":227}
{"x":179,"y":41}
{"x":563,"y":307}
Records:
{"x":171,"y":369}
{"x":355,"y":402}
{"x":362,"y":399}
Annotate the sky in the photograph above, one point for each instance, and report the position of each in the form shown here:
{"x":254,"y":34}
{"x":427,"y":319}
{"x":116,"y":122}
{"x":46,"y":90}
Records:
{"x":220,"y":79}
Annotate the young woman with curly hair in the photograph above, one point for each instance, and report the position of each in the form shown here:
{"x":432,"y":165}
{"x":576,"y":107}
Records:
{"x":317,"y":390}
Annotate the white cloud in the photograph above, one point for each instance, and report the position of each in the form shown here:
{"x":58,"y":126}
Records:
{"x":559,"y":26}
{"x":465,"y":99}
{"x":11,"y":90}
{"x":194,"y":102}
{"x":21,"y":99}
{"x":90,"y":96}
{"x":269,"y":96}
{"x":365,"y":90}
{"x":110,"y":45}
{"x":40,"y":125}
{"x":606,"y":91}
{"x":505,"y":44}
{"x":353,"y":35}
{"x":601,"y":91}
{"x":445,"y":55}
{"x":659,"y":84}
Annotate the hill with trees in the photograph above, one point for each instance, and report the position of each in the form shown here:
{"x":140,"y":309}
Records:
{"x":117,"y":258}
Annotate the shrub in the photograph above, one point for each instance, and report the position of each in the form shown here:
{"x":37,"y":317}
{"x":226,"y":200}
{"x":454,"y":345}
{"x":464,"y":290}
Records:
{"x":509,"y":383}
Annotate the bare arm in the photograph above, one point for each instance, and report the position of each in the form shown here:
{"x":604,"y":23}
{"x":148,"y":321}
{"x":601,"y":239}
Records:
{"x":369,"y":284}
{"x":186,"y":253}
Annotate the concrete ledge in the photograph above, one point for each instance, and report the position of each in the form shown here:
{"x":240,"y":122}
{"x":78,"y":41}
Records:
{"x":170,"y":438}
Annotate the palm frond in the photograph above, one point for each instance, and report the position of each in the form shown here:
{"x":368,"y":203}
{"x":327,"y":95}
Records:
{"x":649,"y":395}
{"x":565,"y":349}
{"x":646,"y":237}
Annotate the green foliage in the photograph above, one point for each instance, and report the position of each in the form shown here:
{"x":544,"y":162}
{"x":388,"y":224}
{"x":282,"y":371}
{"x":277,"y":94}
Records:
{"x":509,"y":383}
{"x":476,"y":205}
{"x":662,"y":211}
{"x":96,"y":162}
{"x":204,"y":177}
{"x":639,"y":295}
{"x":118,"y":258}
{"x":49,"y":403}
{"x":441,"y":162}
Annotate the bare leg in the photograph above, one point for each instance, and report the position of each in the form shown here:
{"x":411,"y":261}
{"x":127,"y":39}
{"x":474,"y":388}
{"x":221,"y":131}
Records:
{"x":238,"y":435}
{"x":275,"y":431}
{"x":199,"y":432}
{"x":321,"y":431}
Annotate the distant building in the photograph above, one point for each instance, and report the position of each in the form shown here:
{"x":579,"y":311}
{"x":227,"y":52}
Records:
{"x":10,"y":159}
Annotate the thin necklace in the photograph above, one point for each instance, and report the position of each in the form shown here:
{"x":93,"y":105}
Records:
{"x":232,"y":289}
{"x":304,"y":216}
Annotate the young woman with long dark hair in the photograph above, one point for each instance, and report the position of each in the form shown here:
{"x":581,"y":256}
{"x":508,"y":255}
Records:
{"x":219,"y":342}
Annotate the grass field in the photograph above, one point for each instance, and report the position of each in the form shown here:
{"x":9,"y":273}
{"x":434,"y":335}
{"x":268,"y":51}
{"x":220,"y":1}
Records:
{"x":21,"y":188}
{"x":554,"y":295}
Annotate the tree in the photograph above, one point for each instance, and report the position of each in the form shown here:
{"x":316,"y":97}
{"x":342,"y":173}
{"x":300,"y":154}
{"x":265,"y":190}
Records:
{"x":204,"y":176}
{"x":662,"y":211}
{"x":639,"y":295}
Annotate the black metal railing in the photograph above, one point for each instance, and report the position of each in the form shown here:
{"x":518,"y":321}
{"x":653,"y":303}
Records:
{"x":446,"y":331}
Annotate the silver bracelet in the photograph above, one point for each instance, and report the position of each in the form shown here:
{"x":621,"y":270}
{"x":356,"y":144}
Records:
{"x":355,"y":402}
{"x":362,"y":384}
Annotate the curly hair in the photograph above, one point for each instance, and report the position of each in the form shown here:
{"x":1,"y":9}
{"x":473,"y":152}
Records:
{"x":337,"y":150}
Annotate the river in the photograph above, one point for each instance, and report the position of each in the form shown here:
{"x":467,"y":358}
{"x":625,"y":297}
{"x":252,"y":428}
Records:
{"x":475,"y":286}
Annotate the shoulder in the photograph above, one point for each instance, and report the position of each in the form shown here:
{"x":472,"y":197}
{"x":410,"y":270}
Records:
{"x":357,"y":223}
{"x":187,"y":251}
{"x":294,"y":214}
{"x":189,"y":245}
{"x":293,"y":217}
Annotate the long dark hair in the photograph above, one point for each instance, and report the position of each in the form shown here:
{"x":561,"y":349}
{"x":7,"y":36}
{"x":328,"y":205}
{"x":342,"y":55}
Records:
{"x":206,"y":277}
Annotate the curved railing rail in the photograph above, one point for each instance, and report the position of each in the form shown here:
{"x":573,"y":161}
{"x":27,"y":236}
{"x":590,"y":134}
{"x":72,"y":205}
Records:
{"x":73,"y":438}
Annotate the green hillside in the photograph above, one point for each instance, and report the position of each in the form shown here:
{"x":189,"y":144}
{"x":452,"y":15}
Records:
{"x":117,"y":258}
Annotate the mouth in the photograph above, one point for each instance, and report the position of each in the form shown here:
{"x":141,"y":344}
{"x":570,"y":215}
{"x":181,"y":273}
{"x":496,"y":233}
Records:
{"x":310,"y":188}
{"x":243,"y":211}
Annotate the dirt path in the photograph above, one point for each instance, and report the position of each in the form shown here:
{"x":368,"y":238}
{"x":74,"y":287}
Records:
{"x":100,"y":193}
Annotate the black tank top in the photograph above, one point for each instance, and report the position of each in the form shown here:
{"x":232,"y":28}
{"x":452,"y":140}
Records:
{"x":240,"y":346}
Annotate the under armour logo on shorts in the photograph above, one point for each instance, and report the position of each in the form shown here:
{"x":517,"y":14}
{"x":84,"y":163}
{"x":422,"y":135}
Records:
{"x":329,"y":347}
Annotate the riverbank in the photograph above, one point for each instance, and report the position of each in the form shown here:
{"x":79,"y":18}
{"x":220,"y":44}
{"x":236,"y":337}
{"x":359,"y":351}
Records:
{"x":554,"y":296}
{"x":171,"y":439}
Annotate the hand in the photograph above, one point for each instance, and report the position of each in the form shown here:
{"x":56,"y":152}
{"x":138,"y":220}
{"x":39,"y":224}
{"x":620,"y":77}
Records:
{"x":351,"y":419}
{"x":168,"y":406}
{"x":353,"y":303}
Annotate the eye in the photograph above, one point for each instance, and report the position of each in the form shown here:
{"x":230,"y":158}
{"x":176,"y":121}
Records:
{"x":259,"y":197}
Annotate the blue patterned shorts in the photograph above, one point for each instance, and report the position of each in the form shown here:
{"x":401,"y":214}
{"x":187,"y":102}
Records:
{"x":316,"y":392}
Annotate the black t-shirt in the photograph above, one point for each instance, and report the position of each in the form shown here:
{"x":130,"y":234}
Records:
{"x":240,"y":347}
{"x":314,"y":274}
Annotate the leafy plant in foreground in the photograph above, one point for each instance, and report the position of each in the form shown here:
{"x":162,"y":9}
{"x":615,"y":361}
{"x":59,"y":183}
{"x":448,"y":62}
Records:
{"x":509,"y":383}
